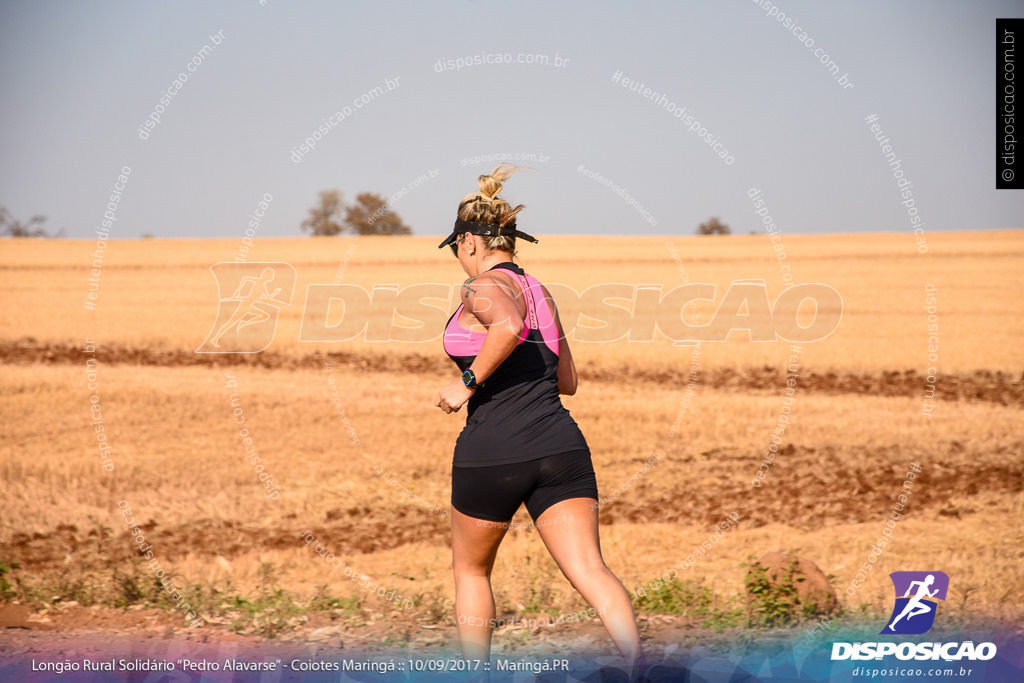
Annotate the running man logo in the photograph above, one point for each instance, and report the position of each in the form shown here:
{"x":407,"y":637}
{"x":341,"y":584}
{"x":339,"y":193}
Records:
{"x":917,"y":596}
{"x":247,"y":319}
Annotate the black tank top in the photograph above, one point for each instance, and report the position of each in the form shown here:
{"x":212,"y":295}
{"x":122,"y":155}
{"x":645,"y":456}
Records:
{"x":517,"y":415}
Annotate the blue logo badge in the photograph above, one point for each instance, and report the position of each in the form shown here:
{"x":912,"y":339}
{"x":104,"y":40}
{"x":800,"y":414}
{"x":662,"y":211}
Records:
{"x":917,"y":598}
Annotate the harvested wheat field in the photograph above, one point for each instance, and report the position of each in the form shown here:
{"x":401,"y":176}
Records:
{"x":356,"y":461}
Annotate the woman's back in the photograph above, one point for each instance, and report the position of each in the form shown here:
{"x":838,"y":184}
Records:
{"x":517,"y":415}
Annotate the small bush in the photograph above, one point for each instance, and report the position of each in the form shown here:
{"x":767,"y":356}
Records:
{"x":7,"y":591}
{"x":690,"y":599}
{"x":771,"y":603}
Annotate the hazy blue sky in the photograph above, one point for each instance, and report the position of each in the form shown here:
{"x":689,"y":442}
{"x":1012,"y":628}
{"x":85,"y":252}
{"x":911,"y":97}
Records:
{"x":79,"y":79}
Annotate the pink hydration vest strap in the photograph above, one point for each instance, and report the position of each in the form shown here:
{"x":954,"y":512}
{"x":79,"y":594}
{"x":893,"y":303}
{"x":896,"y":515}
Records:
{"x":531,"y":306}
{"x":458,"y":341}
{"x":539,"y":319}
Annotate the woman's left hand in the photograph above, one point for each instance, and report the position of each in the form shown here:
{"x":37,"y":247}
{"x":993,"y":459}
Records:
{"x":452,"y":396}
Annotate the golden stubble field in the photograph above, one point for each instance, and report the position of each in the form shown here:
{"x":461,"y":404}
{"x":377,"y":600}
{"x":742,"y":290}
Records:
{"x":361,"y":459}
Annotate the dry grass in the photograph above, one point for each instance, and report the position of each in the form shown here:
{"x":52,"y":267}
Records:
{"x":160,"y":293}
{"x":179,"y":461}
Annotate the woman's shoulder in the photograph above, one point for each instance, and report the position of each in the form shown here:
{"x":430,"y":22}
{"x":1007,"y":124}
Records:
{"x":507,"y":281}
{"x":499,"y":276}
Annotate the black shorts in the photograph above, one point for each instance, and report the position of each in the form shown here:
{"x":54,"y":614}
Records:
{"x":494,"y":492}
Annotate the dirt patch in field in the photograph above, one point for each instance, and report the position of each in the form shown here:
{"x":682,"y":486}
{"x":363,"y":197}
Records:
{"x":982,"y":385}
{"x":358,"y":530}
{"x":806,"y":488}
{"x":809,"y":488}
{"x":102,"y":633}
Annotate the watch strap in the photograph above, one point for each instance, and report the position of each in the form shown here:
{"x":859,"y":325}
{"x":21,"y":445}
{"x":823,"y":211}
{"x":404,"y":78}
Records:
{"x":469,"y":379}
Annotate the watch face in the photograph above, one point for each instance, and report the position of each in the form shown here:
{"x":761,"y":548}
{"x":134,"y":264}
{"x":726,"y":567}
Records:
{"x":468,"y":377}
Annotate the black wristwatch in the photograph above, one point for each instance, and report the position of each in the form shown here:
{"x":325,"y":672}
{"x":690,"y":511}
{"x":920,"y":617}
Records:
{"x":469,"y":379}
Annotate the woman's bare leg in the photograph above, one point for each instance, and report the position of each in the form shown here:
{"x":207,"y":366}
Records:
{"x":474,"y":546}
{"x":569,"y":530}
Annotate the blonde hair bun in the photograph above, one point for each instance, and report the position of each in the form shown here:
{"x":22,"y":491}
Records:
{"x":486,"y":206}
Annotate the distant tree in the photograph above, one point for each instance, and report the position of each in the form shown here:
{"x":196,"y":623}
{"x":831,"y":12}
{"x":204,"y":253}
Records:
{"x":713,"y":227}
{"x":15,"y":228}
{"x":321,"y":219}
{"x":370,"y":216}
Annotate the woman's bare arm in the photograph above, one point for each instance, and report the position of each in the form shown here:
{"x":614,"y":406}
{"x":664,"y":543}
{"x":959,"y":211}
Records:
{"x":487,"y":298}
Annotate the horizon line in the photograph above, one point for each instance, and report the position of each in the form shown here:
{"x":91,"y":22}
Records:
{"x":752,"y":233}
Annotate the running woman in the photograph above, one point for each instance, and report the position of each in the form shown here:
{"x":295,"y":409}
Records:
{"x":519,"y":445}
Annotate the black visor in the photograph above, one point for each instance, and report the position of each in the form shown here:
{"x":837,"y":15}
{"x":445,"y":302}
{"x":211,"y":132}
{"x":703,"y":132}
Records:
{"x":462,"y":226}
